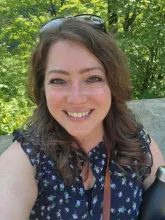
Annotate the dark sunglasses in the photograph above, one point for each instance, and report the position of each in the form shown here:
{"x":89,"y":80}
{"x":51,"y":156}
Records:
{"x":95,"y":20}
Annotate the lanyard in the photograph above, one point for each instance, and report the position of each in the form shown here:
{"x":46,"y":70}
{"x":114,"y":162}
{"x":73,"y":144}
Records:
{"x":107,"y":187}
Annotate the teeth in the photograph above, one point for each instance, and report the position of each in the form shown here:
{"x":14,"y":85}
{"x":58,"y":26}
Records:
{"x":77,"y":115}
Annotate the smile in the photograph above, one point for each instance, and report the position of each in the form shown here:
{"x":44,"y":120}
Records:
{"x":78,"y":114}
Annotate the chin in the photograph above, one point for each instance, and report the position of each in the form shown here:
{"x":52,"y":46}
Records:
{"x":78,"y":134}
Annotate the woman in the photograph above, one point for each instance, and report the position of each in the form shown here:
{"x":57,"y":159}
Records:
{"x":80,"y":84}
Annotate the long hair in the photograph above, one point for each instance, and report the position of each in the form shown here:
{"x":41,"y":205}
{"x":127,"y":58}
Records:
{"x":119,"y":124}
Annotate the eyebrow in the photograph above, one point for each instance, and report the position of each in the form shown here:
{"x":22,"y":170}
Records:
{"x":81,"y":71}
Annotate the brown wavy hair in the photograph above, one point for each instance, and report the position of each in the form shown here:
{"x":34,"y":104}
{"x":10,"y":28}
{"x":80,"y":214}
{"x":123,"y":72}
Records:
{"x":119,"y":124}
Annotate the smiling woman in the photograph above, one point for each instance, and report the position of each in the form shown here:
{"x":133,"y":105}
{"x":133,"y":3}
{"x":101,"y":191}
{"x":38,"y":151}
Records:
{"x":82,"y":139}
{"x":76,"y":84}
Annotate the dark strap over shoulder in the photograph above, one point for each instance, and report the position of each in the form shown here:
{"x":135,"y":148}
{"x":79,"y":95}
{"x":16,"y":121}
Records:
{"x":107,"y":187}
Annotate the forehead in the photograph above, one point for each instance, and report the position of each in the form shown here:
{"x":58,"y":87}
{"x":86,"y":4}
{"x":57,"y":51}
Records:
{"x":68,"y":54}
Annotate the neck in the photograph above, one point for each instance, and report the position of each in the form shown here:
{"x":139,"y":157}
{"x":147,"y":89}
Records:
{"x":90,"y":142}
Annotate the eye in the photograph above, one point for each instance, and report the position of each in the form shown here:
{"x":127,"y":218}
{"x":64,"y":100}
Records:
{"x":94,"y":79}
{"x":57,"y":81}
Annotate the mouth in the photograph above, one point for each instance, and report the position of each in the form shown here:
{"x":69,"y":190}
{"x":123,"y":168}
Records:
{"x":78,"y":115}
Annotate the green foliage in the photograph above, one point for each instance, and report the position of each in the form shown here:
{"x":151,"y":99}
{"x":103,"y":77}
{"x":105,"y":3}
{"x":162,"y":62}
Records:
{"x":13,"y":114}
{"x":14,"y":105}
{"x":144,"y":43}
{"x":139,"y":27}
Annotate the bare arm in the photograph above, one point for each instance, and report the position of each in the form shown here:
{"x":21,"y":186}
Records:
{"x":18,"y":187}
{"x":158,"y":160}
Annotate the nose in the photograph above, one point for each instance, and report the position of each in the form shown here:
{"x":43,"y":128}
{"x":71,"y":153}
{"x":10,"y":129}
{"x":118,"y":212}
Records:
{"x":76,"y":95}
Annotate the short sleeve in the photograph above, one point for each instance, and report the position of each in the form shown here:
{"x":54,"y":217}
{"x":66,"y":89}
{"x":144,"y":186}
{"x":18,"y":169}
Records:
{"x":146,"y":141}
{"x":35,"y":154}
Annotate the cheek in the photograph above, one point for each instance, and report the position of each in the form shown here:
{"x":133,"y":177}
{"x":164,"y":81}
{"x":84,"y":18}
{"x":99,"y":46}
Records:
{"x":103,"y":95}
{"x":53,"y":99}
{"x":106,"y":100}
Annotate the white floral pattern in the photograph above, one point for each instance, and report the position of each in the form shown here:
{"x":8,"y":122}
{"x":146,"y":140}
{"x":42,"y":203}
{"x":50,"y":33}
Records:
{"x":56,"y":201}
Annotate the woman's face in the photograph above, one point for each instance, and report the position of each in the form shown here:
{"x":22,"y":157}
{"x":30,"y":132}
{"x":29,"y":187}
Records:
{"x":76,"y":88}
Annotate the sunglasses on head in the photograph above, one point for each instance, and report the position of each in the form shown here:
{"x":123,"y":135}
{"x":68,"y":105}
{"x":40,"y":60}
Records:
{"x":95,"y":20}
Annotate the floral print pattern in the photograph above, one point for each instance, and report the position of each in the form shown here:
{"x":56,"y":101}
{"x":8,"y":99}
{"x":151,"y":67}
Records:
{"x":56,"y":201}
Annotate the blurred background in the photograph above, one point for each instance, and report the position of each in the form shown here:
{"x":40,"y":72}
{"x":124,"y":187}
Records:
{"x":138,"y":26}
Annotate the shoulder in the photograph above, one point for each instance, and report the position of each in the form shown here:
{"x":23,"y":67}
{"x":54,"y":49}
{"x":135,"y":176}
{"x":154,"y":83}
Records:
{"x":16,"y":163}
{"x":157,"y":159}
{"x":15,"y":156}
{"x":18,"y":182}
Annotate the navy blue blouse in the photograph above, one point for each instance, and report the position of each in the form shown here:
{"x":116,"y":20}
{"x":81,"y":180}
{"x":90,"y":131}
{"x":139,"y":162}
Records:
{"x":56,"y":201}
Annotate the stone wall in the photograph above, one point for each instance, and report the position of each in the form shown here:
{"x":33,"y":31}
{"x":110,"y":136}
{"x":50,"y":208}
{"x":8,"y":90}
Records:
{"x":150,"y":112}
